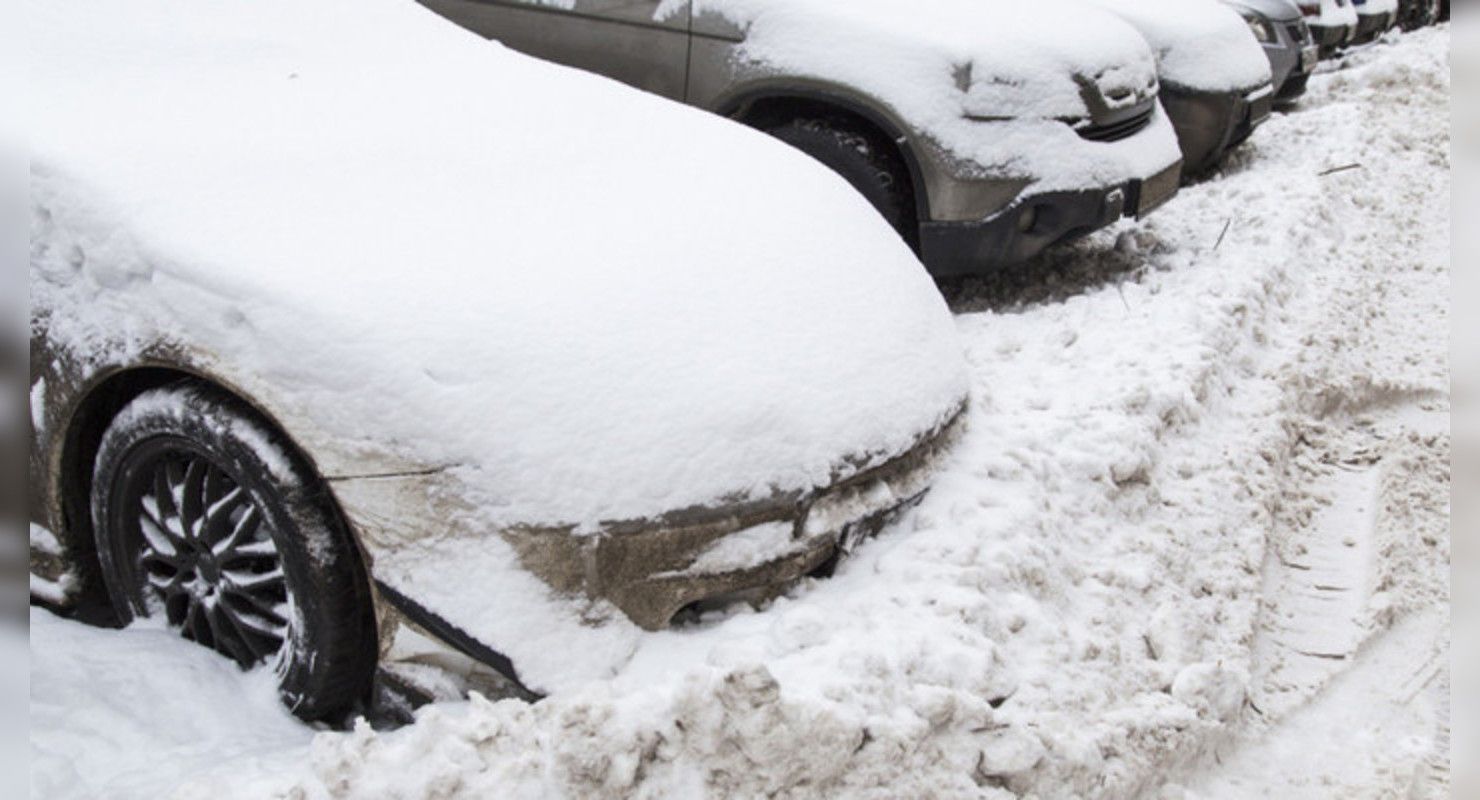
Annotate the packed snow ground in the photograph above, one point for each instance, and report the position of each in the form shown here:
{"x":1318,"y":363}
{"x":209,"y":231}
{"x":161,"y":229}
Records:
{"x":1185,"y":436}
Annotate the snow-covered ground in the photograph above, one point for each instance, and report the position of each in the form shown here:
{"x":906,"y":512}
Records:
{"x":1194,"y":544}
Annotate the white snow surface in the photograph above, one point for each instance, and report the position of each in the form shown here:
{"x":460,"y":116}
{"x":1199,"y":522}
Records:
{"x":1080,"y":605}
{"x":1203,"y":45}
{"x":938,"y":63}
{"x":602,"y":305}
{"x":1333,"y":15}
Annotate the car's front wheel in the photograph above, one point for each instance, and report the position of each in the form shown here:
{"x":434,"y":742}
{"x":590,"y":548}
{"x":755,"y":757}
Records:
{"x":204,"y":518}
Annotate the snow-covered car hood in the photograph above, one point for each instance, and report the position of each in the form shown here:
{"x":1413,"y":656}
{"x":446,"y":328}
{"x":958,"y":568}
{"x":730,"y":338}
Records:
{"x":592,"y":303}
{"x":1371,"y":7}
{"x":1278,"y":10}
{"x":1332,"y":13}
{"x":1202,"y":45}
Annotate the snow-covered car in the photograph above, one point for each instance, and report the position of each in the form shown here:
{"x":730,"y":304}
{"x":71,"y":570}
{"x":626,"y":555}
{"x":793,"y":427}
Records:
{"x":1374,"y":18}
{"x":343,"y":354}
{"x":1215,"y":80}
{"x":1333,"y":23}
{"x":983,"y":130}
{"x":1287,"y":41}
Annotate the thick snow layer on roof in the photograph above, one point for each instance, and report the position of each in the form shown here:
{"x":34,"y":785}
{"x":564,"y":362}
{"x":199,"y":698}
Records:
{"x":601,"y":304}
{"x":1200,"y":44}
{"x":1016,"y":67}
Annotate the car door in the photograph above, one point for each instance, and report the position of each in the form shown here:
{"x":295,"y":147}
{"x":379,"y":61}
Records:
{"x":629,"y":40}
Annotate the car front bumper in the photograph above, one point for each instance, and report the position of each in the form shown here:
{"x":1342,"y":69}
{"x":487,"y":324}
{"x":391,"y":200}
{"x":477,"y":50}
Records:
{"x":704,"y":558}
{"x":1372,"y":26}
{"x":1208,"y":124}
{"x":1034,"y":222}
{"x":1331,"y":37}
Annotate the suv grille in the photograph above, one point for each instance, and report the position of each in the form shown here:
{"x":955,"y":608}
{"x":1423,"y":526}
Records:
{"x":1120,"y":129}
{"x":1299,"y":32}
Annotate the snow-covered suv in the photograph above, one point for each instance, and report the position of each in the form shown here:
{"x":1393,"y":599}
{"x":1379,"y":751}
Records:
{"x":983,"y":130}
{"x":1215,"y":80}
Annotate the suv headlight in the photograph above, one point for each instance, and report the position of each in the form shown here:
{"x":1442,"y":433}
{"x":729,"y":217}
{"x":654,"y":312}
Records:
{"x":1260,"y":27}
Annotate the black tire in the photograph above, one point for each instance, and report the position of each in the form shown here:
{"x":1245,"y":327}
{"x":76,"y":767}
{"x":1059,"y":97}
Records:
{"x":203,"y":514}
{"x":863,"y":159}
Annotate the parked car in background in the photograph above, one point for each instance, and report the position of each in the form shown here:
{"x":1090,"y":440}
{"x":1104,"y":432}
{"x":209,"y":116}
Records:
{"x":1333,"y":23}
{"x":1415,"y":14}
{"x":1287,"y":41}
{"x":1215,"y":80}
{"x":1374,"y":18}
{"x":458,"y":354}
{"x":984,"y":131}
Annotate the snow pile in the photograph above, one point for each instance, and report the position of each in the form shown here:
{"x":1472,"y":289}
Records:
{"x":1074,"y":610}
{"x":385,"y":230}
{"x":1202,"y":45}
{"x":1016,"y":67}
{"x":125,"y":713}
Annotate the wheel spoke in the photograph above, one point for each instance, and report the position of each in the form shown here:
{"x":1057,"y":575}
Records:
{"x":222,"y":528}
{"x":164,"y":496}
{"x":192,"y":497}
{"x":261,"y":626}
{"x":273,"y":612}
{"x":158,"y":541}
{"x":252,"y":636}
{"x":196,"y":626}
{"x":243,"y":529}
{"x":251,"y":581}
{"x":166,"y":585}
{"x":228,"y":636}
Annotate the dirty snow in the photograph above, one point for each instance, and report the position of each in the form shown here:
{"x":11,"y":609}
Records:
{"x":1095,"y":599}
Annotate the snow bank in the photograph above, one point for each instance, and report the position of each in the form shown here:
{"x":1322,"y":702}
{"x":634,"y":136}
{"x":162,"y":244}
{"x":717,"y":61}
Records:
{"x":1202,"y":45}
{"x":402,"y":238}
{"x":123,"y":714}
{"x":1017,"y":67}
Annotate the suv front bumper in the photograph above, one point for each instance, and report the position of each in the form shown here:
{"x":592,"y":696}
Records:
{"x":1208,"y":124}
{"x":1036,"y":221}
{"x":1372,"y":26}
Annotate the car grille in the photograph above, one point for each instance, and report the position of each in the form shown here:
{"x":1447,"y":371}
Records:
{"x":1117,"y":130}
{"x":1300,"y":32}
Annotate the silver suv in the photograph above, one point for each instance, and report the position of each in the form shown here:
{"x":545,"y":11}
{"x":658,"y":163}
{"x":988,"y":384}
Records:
{"x":982,"y":135}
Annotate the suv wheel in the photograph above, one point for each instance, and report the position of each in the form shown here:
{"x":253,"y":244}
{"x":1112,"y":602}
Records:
{"x":862,"y":160}
{"x":203,"y":518}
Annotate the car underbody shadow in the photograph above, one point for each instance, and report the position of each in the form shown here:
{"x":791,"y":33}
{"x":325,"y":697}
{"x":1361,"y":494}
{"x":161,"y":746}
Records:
{"x":1102,"y":259}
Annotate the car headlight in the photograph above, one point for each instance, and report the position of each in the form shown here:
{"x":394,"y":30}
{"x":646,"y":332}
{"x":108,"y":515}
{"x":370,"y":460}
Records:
{"x":1260,"y":27}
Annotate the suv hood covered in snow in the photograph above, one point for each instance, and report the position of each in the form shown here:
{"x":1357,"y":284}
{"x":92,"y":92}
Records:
{"x":404,"y":240}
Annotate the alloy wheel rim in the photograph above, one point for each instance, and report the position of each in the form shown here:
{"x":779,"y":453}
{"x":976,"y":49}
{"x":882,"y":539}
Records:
{"x":205,"y":555}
